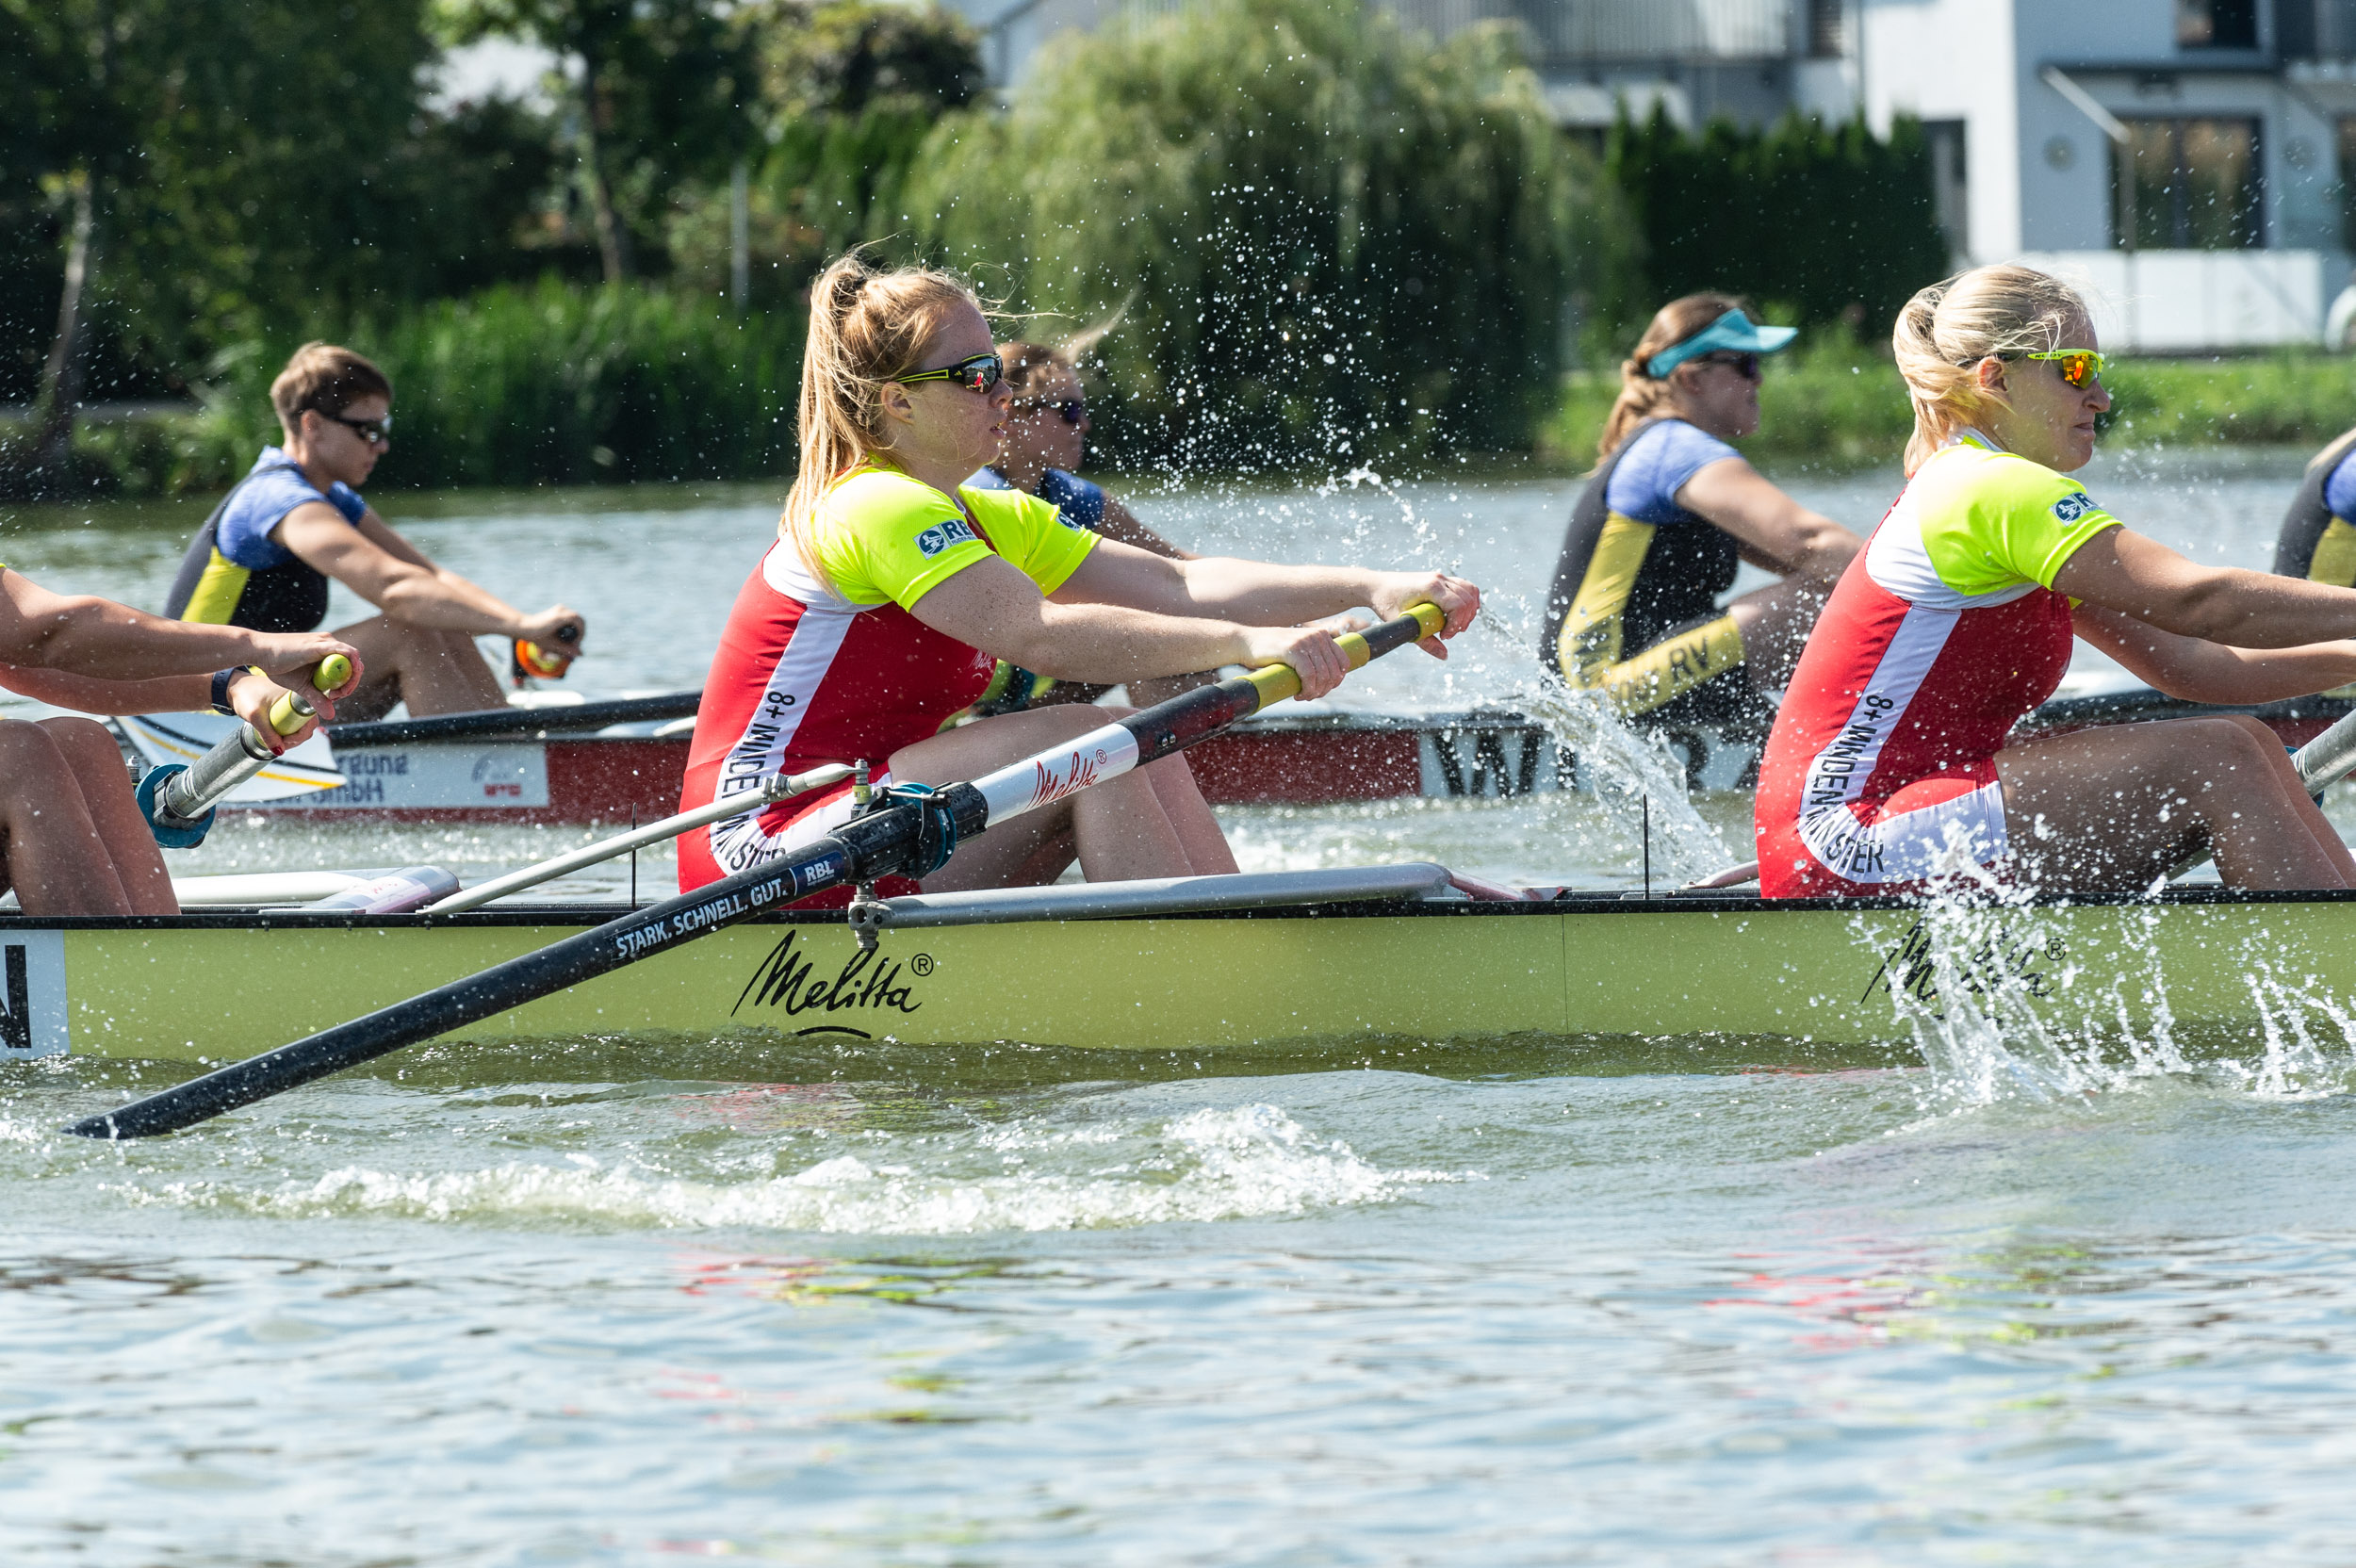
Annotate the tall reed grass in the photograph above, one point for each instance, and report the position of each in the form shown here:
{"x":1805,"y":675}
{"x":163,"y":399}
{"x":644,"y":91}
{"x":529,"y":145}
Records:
{"x":551,"y":384}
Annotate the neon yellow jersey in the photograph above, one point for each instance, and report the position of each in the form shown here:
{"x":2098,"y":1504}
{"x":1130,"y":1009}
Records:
{"x":883,"y":536}
{"x":1978,"y":523}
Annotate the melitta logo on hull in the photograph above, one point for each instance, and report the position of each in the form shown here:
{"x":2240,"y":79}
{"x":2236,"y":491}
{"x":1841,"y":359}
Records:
{"x":788,"y":981}
{"x":1069,"y":775}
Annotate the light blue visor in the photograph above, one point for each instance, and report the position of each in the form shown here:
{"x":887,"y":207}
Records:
{"x":1732,"y":334}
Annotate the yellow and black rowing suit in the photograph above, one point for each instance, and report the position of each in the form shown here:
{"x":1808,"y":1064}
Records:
{"x":1634,"y":609}
{"x":235,"y":574}
{"x":2318,"y":542}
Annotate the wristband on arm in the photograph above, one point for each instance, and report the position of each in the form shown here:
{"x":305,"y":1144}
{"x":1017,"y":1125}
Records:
{"x":221,"y":687}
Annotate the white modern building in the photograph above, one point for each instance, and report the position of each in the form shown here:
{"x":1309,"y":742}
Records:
{"x":2185,"y":156}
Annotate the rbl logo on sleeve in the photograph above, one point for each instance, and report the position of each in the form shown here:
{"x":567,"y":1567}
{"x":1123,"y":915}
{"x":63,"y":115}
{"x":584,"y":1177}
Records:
{"x":2074,"y":506}
{"x":941,"y":536}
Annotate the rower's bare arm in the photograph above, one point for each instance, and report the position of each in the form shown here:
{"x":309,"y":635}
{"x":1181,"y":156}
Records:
{"x":2195,"y":670}
{"x":85,"y":635}
{"x":993,"y":606}
{"x":398,"y":579}
{"x":251,"y":695}
{"x":1259,"y":592}
{"x":2118,"y":569}
{"x":1120,"y":523}
{"x":1787,"y":536}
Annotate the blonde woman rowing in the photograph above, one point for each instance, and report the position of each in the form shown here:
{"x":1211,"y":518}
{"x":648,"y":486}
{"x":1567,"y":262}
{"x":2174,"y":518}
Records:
{"x":1891,"y":762}
{"x":896,"y":586}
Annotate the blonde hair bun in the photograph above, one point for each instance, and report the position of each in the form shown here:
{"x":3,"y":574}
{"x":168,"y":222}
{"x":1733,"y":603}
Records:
{"x":1946,"y":330}
{"x":868,"y":327}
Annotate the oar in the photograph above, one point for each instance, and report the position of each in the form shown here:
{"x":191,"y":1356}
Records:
{"x":784,"y":787}
{"x":178,"y":801}
{"x":2328,"y":757}
{"x":917,"y":832}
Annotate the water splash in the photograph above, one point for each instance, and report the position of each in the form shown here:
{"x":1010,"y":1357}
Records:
{"x":2002,"y":1008}
{"x":1633,"y":772}
{"x":1207,"y":1165}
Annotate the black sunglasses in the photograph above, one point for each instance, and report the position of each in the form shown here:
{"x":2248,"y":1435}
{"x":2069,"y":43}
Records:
{"x":1746,"y":366}
{"x":1070,"y":410}
{"x":978,"y":374}
{"x":376,"y":432}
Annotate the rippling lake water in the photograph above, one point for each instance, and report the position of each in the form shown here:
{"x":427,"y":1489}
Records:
{"x":1652,"y":1301}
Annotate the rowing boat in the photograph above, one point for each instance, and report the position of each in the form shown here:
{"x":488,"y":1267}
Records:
{"x":1343,"y":962}
{"x":540,"y":767}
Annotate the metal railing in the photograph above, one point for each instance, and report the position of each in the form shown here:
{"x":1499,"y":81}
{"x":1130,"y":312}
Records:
{"x":1564,"y":33}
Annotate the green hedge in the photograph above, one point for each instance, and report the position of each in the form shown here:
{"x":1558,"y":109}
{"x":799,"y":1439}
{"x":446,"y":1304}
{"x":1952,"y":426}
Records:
{"x":1828,"y":401}
{"x":553,"y":385}
{"x":1832,"y":401}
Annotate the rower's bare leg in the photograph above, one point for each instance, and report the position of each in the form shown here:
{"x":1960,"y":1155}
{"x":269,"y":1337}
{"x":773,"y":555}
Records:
{"x":1205,"y":841}
{"x":96,"y":762}
{"x":2115,"y":806}
{"x":1119,"y":830}
{"x":433,"y":671}
{"x":56,"y":860}
{"x":1774,"y":623}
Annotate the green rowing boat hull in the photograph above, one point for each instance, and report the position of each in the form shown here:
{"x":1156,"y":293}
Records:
{"x":223,"y":986}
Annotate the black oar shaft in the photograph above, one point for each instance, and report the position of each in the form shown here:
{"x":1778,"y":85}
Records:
{"x":857,"y":852}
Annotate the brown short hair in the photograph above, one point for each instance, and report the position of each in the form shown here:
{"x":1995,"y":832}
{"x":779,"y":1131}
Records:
{"x":327,"y":379}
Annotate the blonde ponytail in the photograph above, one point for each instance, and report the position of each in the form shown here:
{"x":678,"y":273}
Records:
{"x":868,"y":327}
{"x":1643,"y":394}
{"x":1946,"y":330}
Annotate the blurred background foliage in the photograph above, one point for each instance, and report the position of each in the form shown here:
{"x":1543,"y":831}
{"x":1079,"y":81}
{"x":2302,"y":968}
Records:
{"x":1331,"y":241}
{"x":1335,"y":242}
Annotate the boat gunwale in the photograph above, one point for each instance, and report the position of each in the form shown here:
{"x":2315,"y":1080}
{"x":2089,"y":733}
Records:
{"x":1597,"y":903}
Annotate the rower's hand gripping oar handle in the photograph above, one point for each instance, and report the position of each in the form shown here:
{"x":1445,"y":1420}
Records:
{"x":178,"y":801}
{"x":1275,"y":683}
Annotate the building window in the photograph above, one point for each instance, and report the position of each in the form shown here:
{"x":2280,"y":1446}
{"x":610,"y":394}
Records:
{"x":2217,"y":24}
{"x":1827,"y":29}
{"x":2187,"y":185}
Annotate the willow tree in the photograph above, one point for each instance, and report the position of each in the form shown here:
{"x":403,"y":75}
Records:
{"x":1335,"y":239}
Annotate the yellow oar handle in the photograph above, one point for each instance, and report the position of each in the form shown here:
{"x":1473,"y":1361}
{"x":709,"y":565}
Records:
{"x":1278,"y":681}
{"x":287,"y":715}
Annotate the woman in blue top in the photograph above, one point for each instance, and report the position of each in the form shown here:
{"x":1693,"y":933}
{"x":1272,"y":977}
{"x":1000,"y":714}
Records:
{"x":1665,"y":521}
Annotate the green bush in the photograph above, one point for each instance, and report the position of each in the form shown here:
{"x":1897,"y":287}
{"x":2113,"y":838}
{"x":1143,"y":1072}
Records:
{"x":556,"y":385}
{"x":1335,"y":242}
{"x":2305,"y":398}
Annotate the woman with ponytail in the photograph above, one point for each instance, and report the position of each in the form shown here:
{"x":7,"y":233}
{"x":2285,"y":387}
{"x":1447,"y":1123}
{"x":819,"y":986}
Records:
{"x":1891,"y":763}
{"x":1665,"y":521}
{"x":897,"y":586}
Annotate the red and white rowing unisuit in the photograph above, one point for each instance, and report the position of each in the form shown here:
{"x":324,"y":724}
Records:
{"x":812,"y":670}
{"x":1945,"y":631}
